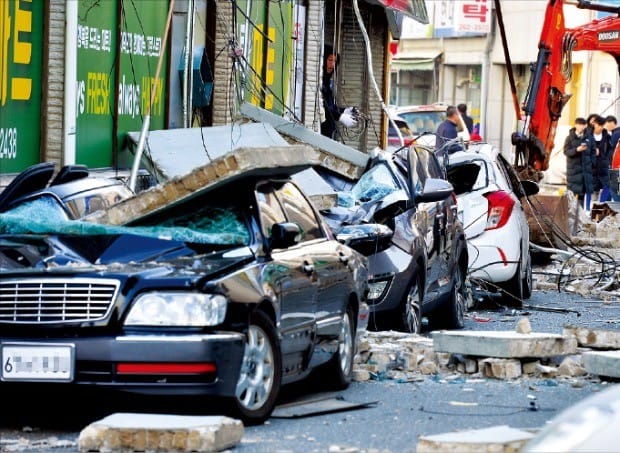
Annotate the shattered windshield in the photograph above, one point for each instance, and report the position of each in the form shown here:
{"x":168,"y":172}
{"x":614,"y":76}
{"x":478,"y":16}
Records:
{"x":375,"y":184}
{"x":204,"y":225}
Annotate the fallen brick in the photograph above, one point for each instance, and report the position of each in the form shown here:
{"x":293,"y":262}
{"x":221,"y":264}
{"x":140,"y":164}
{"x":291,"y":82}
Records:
{"x":503,"y":344}
{"x":161,"y":432}
{"x":495,"y":439}
{"x":602,"y":363}
{"x":594,"y":338}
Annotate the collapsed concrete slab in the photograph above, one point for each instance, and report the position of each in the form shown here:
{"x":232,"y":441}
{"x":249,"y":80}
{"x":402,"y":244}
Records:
{"x":594,"y":338}
{"x":244,"y":162}
{"x":602,"y":363}
{"x":160,"y":432}
{"x":503,"y":344}
{"x":495,"y":439}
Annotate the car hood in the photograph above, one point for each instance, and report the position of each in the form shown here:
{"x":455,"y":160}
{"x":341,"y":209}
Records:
{"x":115,"y":253}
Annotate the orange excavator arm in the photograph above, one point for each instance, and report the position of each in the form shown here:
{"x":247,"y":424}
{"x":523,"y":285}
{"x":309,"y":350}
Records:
{"x":546,"y":97}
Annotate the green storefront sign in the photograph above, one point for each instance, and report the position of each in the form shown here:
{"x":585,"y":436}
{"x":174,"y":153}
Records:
{"x":267,"y":37}
{"x":21,"y":44}
{"x":108,"y":95}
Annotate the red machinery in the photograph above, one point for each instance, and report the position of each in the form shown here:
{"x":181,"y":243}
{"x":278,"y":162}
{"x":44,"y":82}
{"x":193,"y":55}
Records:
{"x":546,"y":95}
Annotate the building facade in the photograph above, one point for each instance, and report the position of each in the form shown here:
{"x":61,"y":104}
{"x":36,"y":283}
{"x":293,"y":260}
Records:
{"x":459,"y":57}
{"x":76,"y":77}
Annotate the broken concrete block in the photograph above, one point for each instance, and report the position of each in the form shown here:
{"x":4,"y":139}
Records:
{"x":594,"y":338}
{"x":443,"y":358}
{"x":602,"y":363}
{"x":501,"y":368}
{"x":360,"y":375}
{"x":488,"y":440}
{"x":529,"y":367}
{"x":503,"y":344}
{"x":382,"y":361}
{"x":427,"y":367}
{"x":471,"y":365}
{"x":160,"y":432}
{"x":523,"y":326}
{"x":546,"y":370}
{"x":569,"y":367}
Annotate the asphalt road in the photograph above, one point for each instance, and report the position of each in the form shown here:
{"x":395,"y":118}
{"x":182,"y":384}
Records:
{"x":396,"y":413}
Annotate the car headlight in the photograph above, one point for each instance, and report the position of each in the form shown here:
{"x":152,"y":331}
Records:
{"x":177,"y":309}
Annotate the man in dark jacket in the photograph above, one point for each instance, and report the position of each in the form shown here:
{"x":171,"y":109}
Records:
{"x":601,"y":159}
{"x":578,"y":148}
{"x":469,"y":121}
{"x":348,"y":117}
{"x":611,"y":124}
{"x":448,"y":132}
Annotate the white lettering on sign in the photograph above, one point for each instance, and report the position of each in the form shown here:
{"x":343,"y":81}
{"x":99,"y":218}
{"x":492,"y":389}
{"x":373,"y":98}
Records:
{"x":8,"y":143}
{"x":128,"y":99}
{"x":608,"y":35}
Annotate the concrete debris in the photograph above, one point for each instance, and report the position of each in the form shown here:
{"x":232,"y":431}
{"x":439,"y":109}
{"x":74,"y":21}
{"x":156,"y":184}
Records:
{"x":602,"y":363}
{"x":500,"y":368}
{"x":488,"y":354}
{"x":569,"y":367}
{"x":23,"y":444}
{"x":503,"y":344}
{"x":594,"y":338}
{"x":523,"y":326}
{"x":161,"y":433}
{"x":495,"y":439}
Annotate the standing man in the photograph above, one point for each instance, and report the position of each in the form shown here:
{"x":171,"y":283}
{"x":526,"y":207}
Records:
{"x":611,"y":124}
{"x":469,"y":121}
{"x":447,"y":131}
{"x":578,"y":147}
{"x":601,"y":159}
{"x":332,"y":112}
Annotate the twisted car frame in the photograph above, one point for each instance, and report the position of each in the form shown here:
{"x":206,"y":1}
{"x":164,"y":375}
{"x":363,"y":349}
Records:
{"x":402,"y":215}
{"x":224,"y":283}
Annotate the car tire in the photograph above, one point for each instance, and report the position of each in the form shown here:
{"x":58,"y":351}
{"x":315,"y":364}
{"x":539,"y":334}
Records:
{"x":409,"y":315}
{"x":260,"y":376}
{"x":340,"y":367}
{"x":527,"y":278}
{"x":513,"y":289}
{"x":455,"y":318}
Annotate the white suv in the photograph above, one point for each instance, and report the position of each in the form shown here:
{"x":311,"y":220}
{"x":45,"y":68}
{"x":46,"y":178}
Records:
{"x":426,"y":118}
{"x":489,"y":195}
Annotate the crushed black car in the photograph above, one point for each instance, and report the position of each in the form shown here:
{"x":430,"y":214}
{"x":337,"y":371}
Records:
{"x":402,"y":215}
{"x":73,"y":188}
{"x":230,"y":291}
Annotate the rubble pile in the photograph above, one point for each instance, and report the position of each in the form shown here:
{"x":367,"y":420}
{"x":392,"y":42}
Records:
{"x":406,"y":357}
{"x":588,"y":263}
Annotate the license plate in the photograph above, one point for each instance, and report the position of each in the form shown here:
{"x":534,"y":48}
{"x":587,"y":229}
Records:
{"x":29,"y":362}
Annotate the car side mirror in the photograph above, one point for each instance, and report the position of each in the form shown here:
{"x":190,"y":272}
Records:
{"x":435,"y":189}
{"x":391,"y":205}
{"x":366,"y":238}
{"x":530,"y":187}
{"x":283,"y":235}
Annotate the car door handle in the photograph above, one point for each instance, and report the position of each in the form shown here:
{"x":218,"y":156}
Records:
{"x":343,"y":258}
{"x":308,"y":268}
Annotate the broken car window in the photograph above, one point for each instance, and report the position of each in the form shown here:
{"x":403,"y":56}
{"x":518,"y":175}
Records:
{"x":375,"y":184}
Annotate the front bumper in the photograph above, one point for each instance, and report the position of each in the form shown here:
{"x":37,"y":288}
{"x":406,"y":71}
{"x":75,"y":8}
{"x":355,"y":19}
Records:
{"x":394,"y":267}
{"x":149,"y":364}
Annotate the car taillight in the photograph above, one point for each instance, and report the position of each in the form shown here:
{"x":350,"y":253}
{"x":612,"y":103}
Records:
{"x":500,"y":208}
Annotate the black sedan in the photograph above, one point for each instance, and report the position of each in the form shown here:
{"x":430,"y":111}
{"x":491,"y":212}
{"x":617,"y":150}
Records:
{"x":402,"y":215}
{"x":232,"y":292}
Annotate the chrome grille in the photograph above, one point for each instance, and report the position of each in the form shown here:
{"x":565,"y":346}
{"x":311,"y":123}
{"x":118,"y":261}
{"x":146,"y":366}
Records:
{"x":49,"y":300}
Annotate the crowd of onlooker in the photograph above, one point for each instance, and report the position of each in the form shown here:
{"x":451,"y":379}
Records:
{"x":592,"y":163}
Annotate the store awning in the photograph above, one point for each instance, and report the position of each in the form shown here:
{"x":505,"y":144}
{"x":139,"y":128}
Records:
{"x":416,"y":9}
{"x":416,"y":61}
